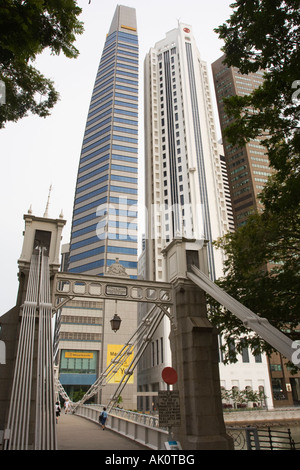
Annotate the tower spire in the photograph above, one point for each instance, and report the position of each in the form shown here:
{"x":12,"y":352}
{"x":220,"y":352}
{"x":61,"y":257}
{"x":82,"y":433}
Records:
{"x":48,"y":201}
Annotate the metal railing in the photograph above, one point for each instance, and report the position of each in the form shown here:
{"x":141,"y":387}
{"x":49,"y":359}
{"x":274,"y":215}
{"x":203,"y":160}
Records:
{"x":144,"y":428}
{"x":253,"y":438}
{"x":146,"y":419}
{"x":140,"y":427}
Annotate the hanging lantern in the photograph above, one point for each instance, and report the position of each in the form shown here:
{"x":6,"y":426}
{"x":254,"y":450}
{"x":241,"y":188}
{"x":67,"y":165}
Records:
{"x":115,"y":323}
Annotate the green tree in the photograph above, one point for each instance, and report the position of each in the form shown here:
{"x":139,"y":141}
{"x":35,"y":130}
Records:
{"x":77,"y":395}
{"x":119,"y":401}
{"x":262,"y":272}
{"x":26,"y":29}
{"x":262,"y":267}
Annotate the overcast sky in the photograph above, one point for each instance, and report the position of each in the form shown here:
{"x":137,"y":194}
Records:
{"x":37,"y":152}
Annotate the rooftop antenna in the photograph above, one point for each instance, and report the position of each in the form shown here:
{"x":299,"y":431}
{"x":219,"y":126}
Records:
{"x":48,"y":201}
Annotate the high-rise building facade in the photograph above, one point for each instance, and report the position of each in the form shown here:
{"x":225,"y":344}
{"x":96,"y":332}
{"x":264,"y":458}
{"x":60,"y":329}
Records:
{"x":104,"y":222}
{"x":248,"y":166}
{"x":226,"y":189}
{"x":104,"y":225}
{"x":184,"y":189}
{"x":187,"y":191}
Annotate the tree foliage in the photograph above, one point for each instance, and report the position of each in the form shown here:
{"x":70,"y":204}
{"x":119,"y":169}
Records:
{"x":262,"y":266}
{"x":240,"y":397}
{"x":262,"y":272}
{"x":26,"y":29}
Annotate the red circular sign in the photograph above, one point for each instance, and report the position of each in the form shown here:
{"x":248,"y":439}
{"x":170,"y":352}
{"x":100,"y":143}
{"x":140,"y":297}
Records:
{"x":169,"y":375}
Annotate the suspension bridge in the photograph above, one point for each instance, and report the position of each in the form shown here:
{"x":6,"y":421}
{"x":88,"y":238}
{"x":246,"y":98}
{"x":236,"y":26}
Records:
{"x":30,"y":421}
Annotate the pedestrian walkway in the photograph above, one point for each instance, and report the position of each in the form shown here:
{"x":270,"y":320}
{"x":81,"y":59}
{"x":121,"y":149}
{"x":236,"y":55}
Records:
{"x":75,"y":433}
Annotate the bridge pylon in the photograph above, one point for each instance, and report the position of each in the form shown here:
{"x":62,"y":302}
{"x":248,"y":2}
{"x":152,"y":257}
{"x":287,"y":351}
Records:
{"x":194,"y":347}
{"x":27,"y":395}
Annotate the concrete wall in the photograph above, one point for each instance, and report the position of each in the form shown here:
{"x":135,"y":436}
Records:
{"x":268,"y":417}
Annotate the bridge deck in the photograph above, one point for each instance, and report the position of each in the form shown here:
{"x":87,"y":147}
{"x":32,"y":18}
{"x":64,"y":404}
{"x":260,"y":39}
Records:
{"x":76,"y":433}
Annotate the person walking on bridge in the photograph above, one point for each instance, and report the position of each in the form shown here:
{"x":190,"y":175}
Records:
{"x":103,"y":418}
{"x":57,"y":410}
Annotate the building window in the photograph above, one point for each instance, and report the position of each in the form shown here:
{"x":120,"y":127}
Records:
{"x":278,"y":389}
{"x":276,"y":367}
{"x":80,"y":362}
{"x":152,"y":354}
{"x":258,"y":358}
{"x":245,"y":355}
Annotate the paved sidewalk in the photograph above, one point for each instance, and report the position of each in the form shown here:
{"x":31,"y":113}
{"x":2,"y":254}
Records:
{"x":75,"y":433}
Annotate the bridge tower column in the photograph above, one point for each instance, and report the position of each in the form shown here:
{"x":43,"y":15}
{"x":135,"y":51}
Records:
{"x":26,"y":377}
{"x":194,"y":346}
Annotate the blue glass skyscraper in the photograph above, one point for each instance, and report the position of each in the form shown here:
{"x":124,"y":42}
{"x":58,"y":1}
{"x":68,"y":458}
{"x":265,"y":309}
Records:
{"x":104,"y":225}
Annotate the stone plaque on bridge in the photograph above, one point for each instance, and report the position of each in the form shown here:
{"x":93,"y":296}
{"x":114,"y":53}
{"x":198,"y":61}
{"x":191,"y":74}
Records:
{"x":116,"y":290}
{"x":168,"y":408}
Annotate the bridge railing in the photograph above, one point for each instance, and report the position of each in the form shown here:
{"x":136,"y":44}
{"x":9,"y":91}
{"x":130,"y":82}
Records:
{"x":253,"y":438}
{"x":138,"y":427}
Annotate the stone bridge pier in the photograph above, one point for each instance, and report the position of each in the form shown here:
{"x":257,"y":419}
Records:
{"x":194,"y":346}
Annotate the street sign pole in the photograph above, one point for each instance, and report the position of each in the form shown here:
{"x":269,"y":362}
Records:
{"x":169,"y":407}
{"x":169,"y":427}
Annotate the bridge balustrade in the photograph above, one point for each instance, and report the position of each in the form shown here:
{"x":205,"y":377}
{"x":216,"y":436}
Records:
{"x":136,"y":426}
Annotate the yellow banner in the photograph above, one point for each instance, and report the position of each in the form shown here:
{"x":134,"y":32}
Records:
{"x":112,"y":351}
{"x":78,"y":355}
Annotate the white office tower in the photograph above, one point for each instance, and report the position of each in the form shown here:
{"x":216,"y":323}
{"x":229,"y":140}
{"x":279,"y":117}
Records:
{"x":185,"y":194}
{"x":184,"y":187}
{"x":184,"y":190}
